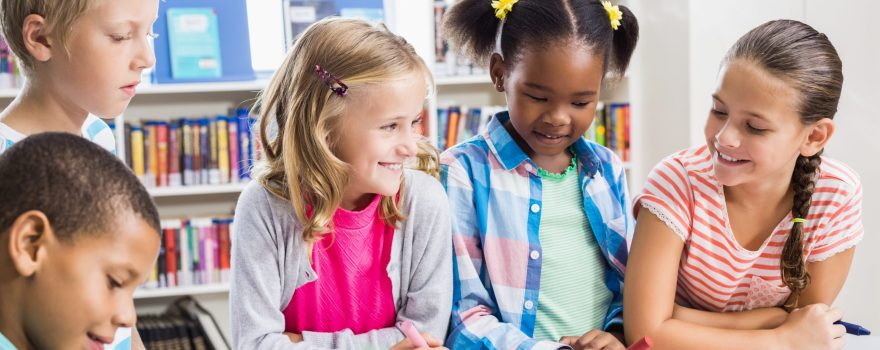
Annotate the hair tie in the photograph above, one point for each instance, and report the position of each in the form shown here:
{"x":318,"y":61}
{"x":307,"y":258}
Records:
{"x":614,"y":14}
{"x":799,"y":220}
{"x":503,"y":7}
{"x":335,"y":85}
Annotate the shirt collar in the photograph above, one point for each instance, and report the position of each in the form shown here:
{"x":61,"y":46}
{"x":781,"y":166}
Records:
{"x":510,"y":155}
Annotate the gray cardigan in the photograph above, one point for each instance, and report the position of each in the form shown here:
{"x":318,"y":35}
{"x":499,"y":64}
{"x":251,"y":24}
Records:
{"x":269,"y":262}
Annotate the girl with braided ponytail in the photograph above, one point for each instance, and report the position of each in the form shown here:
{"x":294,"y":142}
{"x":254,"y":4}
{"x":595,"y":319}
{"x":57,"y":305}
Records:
{"x":744,"y":242}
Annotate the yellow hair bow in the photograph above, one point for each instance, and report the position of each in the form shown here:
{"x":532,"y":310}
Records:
{"x":614,"y":14}
{"x":502,"y":7}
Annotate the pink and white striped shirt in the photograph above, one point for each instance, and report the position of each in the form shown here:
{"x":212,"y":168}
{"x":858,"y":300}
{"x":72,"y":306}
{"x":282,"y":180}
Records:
{"x":716,"y":273}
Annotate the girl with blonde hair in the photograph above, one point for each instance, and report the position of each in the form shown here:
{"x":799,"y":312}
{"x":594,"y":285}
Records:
{"x":338,"y":239}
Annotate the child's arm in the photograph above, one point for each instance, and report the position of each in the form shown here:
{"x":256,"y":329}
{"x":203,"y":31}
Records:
{"x":764,"y":318}
{"x":650,"y":293}
{"x":827,"y":278}
{"x":429,"y":297}
{"x":255,"y":291}
{"x":474,"y":322}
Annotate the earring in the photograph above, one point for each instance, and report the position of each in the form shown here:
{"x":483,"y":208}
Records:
{"x":499,"y":85}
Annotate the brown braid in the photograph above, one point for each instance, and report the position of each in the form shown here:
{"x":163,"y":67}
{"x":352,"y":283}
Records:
{"x":793,"y":267}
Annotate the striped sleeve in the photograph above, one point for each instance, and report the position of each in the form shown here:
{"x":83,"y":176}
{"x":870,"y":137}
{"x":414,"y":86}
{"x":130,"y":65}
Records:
{"x":844,"y":228}
{"x":99,"y":132}
{"x":667,"y":195}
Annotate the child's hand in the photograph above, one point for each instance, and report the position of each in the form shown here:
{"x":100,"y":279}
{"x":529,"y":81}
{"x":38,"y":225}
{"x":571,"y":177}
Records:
{"x":812,"y":327}
{"x":296,"y":338}
{"x":406,"y":345}
{"x":593,"y":340}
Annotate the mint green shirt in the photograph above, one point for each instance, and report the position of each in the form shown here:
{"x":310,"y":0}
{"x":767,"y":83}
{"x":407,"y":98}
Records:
{"x":5,"y":344}
{"x":572,"y":298}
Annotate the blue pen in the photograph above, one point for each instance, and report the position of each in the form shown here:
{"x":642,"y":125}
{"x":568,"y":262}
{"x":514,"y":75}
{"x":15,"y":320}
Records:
{"x":853,"y":328}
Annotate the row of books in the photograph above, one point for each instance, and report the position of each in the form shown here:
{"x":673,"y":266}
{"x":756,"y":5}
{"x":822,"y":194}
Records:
{"x":170,"y":333}
{"x":446,"y":61}
{"x":193,"y":252}
{"x":191,"y":151}
{"x":185,"y":325}
{"x":459,"y":123}
{"x":611,"y":128}
{"x":10,"y":75}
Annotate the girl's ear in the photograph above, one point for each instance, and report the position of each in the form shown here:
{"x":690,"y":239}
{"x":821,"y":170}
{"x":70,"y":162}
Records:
{"x":28,"y":237}
{"x":819,"y":135}
{"x":497,"y":70}
{"x":34,"y":31}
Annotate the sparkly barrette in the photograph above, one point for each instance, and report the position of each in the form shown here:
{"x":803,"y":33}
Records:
{"x":614,"y":14}
{"x":335,"y":85}
{"x":502,"y":7}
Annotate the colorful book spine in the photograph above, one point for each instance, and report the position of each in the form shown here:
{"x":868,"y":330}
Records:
{"x":222,"y":148}
{"x":161,"y":154}
{"x":205,"y":151}
{"x":175,"y":178}
{"x":153,"y":154}
{"x":127,"y":142}
{"x":245,"y":144}
{"x":213,"y":154}
{"x":234,"y":144}
{"x":225,"y":252}
{"x":137,"y":152}
{"x":171,"y":236}
{"x":187,"y":161}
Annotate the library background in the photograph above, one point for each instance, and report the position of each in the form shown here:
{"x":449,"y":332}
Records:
{"x":188,"y":134}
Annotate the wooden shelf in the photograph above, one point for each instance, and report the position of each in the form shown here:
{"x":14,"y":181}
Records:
{"x":480,"y":79}
{"x":217,"y":288}
{"x":193,"y":88}
{"x":181,"y":191}
{"x":182,"y":88}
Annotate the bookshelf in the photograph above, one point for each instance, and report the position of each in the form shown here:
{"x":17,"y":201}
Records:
{"x":196,"y":190}
{"x":214,"y":288}
{"x":168,"y":101}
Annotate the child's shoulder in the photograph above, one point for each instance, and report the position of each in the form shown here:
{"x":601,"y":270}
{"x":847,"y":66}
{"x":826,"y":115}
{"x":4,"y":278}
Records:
{"x":96,"y":130}
{"x":420,"y":186}
{"x":694,"y":160}
{"x":476,"y":147}
{"x":259,"y":200}
{"x":836,"y":174}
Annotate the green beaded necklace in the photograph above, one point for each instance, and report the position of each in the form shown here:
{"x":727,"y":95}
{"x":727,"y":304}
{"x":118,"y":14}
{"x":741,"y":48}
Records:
{"x":572,"y":167}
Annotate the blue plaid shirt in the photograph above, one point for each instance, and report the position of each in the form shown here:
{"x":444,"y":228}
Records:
{"x":495,"y":196}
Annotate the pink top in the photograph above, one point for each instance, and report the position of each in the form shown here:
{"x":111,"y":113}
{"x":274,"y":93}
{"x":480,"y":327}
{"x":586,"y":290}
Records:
{"x":353,"y":290}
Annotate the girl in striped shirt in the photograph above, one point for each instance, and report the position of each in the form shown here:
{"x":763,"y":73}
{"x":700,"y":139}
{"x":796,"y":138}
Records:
{"x":743,"y":243}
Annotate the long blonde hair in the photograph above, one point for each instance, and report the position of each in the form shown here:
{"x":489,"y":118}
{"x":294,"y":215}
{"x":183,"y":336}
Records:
{"x":299,"y":163}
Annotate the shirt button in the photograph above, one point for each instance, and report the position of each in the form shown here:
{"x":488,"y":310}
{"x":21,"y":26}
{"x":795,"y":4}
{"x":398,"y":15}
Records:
{"x":529,"y":168}
{"x":536,"y":208}
{"x":535,"y":255}
{"x":529,"y":304}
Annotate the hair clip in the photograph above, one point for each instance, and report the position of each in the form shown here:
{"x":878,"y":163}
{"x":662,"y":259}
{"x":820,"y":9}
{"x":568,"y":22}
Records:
{"x":502,"y":7}
{"x":335,"y":85}
{"x":614,"y":14}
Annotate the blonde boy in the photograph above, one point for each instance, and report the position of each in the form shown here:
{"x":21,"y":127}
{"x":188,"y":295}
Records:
{"x":82,"y":59}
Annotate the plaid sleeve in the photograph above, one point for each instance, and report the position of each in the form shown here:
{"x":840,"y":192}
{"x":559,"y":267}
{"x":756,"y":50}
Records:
{"x":475,"y":324}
